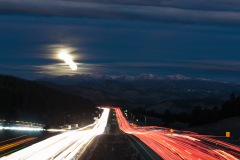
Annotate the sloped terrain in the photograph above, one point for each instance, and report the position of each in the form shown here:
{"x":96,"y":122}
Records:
{"x":30,"y":101}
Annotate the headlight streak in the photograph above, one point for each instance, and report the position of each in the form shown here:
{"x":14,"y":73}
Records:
{"x":63,"y":146}
{"x":178,"y":146}
{"x":56,"y":130}
{"x":21,"y":128}
{"x":14,"y":138}
{"x":17,"y":143}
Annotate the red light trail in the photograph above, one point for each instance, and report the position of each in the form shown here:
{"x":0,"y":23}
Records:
{"x":180,"y":145}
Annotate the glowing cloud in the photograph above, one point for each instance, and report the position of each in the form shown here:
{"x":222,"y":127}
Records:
{"x":68,"y":59}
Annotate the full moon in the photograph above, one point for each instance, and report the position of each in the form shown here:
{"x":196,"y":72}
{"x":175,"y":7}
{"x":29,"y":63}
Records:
{"x":64,"y":55}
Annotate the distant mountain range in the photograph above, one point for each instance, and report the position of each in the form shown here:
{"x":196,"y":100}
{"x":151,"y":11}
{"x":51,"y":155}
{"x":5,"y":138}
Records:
{"x":175,"y":92}
{"x":74,"y":79}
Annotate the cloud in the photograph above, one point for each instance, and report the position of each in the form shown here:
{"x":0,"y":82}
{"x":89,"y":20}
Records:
{"x":55,"y":69}
{"x":206,"y":69}
{"x":171,"y":11}
{"x":58,"y":69}
{"x":207,"y":65}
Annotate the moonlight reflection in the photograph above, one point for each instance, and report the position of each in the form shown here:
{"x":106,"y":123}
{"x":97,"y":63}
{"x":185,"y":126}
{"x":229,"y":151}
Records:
{"x":64,"y":55}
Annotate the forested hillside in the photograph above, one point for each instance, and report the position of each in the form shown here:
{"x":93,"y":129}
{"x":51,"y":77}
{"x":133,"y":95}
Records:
{"x":27,"y":100}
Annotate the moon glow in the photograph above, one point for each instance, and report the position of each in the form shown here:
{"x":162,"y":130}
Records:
{"x":64,"y":55}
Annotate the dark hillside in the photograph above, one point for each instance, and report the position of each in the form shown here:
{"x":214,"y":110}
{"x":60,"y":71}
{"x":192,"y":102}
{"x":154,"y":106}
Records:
{"x":27,"y":100}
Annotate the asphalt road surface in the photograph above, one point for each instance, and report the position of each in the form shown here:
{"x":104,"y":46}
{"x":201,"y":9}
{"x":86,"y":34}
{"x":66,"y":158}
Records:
{"x":118,"y":145}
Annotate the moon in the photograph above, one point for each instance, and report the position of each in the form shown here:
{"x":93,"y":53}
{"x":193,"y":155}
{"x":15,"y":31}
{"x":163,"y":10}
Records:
{"x":64,"y":55}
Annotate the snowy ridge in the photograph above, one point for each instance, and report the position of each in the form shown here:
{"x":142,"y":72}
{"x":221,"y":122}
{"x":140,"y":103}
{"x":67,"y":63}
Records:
{"x":142,"y":77}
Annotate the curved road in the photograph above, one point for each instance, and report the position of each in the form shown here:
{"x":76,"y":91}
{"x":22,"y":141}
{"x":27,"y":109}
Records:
{"x":68,"y":145}
{"x":179,"y":145}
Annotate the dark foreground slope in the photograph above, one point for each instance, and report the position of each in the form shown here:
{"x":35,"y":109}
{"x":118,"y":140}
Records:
{"x":220,"y":128}
{"x":30,"y":101}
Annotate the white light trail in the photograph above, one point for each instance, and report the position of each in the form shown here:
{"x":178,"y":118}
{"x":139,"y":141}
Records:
{"x":22,"y":128}
{"x":63,"y":146}
{"x":56,"y":130}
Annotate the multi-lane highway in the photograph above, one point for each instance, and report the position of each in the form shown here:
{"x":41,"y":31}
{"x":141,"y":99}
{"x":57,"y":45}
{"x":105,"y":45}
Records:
{"x":170,"y":144}
{"x":166,"y":143}
{"x":68,"y":145}
{"x":116,"y":145}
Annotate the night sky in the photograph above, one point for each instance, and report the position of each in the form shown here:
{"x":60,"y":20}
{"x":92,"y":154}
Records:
{"x":195,"y":38}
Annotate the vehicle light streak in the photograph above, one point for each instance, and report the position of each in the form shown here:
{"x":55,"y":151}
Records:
{"x":56,"y":130}
{"x":21,"y":128}
{"x":63,"y":146}
{"x":12,"y":139}
{"x":179,"y":145}
{"x":14,"y":144}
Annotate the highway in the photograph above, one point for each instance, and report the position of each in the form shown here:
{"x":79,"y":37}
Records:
{"x":143,"y":150}
{"x":117,"y":145}
{"x":179,"y":145}
{"x":68,"y":145}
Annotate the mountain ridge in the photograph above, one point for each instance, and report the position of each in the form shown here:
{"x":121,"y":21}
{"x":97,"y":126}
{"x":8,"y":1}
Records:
{"x":89,"y":77}
{"x":146,"y":90}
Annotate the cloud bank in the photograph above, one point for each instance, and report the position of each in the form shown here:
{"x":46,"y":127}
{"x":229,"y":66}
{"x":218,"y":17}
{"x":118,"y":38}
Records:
{"x":186,"y":11}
